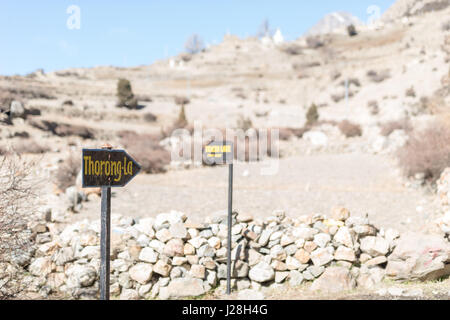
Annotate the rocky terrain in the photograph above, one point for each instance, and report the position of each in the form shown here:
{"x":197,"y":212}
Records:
{"x":372,"y":91}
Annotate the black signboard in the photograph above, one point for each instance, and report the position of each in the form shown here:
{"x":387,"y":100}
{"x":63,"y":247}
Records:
{"x":218,"y":152}
{"x":107,"y":168}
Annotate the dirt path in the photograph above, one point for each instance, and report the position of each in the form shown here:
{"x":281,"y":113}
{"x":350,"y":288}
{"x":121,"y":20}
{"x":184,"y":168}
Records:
{"x":305,"y":184}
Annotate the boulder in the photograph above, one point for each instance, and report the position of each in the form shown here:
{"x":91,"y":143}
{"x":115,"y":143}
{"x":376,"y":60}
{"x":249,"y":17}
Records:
{"x":419,"y":257}
{"x":142,"y":273}
{"x":334,"y":280}
{"x":16,"y":109}
{"x":185,"y":287}
{"x":262,"y":272}
{"x":321,"y":256}
{"x":174,"y":247}
{"x":375,"y":246}
{"x":81,"y":276}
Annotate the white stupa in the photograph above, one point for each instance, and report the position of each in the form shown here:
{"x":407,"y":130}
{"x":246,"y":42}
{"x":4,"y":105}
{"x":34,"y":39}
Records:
{"x":278,"y":37}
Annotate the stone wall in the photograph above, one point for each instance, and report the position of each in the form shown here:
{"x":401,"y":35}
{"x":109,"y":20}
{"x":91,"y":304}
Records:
{"x":170,"y":257}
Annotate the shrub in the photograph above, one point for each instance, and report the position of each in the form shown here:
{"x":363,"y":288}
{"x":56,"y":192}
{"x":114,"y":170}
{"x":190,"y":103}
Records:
{"x":29,"y":147}
{"x":63,"y":129}
{"x":314,"y":42}
{"x":125,"y":96}
{"x":181,"y":121}
{"x":286,"y":133}
{"x":378,"y":76}
{"x":351,"y":30}
{"x":410,"y":92}
{"x":350,"y":129}
{"x":67,"y":173}
{"x":312,"y":115}
{"x":373,"y":106}
{"x":426,"y":152}
{"x":293,"y":50}
{"x":194,"y":44}
{"x":389,"y":127}
{"x":182,"y":101}
{"x":244,"y":123}
{"x":150,"y":117}
{"x":146,"y":150}
{"x":16,"y":203}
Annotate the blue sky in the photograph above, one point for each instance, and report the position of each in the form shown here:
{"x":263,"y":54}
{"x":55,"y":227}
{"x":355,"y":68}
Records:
{"x":34,"y":34}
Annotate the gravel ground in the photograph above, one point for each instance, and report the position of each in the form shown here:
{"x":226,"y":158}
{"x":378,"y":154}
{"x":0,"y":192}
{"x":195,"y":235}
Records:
{"x":364,"y":183}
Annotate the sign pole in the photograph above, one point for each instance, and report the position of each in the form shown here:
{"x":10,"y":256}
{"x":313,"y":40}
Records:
{"x":105,"y":168}
{"x":105,"y":239}
{"x":230,"y":223}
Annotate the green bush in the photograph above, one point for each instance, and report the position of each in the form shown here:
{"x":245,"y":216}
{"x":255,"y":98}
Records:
{"x":125,"y":96}
{"x":312,"y":116}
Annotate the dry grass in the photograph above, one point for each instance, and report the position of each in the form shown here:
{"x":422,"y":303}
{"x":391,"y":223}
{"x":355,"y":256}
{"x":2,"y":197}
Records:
{"x":349,"y":129}
{"x":16,"y":198}
{"x":62,"y":129}
{"x":427,"y":152}
{"x":150,"y":117}
{"x":146,"y":150}
{"x":389,"y":127}
{"x":68,"y":170}
{"x":28,"y":146}
{"x":378,"y":76}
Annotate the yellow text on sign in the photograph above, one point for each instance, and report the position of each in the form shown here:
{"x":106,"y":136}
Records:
{"x":217,"y":149}
{"x":107,"y":168}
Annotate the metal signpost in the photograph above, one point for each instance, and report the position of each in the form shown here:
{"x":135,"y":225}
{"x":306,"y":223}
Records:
{"x":222,"y":153}
{"x":106,"y":168}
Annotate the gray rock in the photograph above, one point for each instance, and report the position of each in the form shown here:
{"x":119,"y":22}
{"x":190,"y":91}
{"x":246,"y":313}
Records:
{"x":316,"y":271}
{"x":63,"y":256}
{"x":211,"y":277}
{"x":142,"y":273}
{"x":81,"y":276}
{"x":178,"y":231}
{"x":206,"y":251}
{"x":321,"y":256}
{"x":344,"y":253}
{"x":239,"y":269}
{"x":243,"y":284}
{"x":264,"y":237}
{"x":40,"y":267}
{"x":222,"y":271}
{"x":304,"y":233}
{"x":125,"y":281}
{"x":334,"y":280}
{"x":129,"y":294}
{"x":307,"y":275}
{"x":344,"y":236}
{"x":291,"y":249}
{"x":375,"y":246}
{"x":322,"y":239}
{"x":295,"y":278}
{"x":174,"y":247}
{"x":185,"y":287}
{"x":148,"y":255}
{"x":419,"y":257}
{"x":16,"y":109}
{"x":280,"y":276}
{"x":262,"y":272}
{"x":162,"y":268}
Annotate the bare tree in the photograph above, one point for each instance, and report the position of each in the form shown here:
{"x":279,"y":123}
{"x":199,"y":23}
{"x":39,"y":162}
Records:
{"x":16,"y":195}
{"x":265,"y":30}
{"x":194,"y":44}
